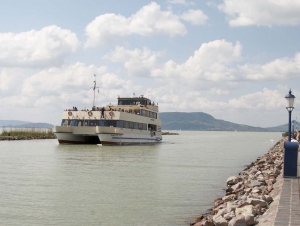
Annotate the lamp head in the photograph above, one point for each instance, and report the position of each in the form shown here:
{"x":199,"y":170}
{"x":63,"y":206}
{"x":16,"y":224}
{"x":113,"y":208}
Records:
{"x":290,"y":101}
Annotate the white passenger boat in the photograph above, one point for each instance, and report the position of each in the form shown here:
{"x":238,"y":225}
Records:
{"x":133,"y":120}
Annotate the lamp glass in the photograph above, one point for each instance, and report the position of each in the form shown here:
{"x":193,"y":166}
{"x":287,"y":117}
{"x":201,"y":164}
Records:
{"x":290,"y":102}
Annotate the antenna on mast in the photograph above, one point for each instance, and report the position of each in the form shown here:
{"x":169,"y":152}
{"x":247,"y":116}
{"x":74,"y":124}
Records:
{"x":94,"y":88}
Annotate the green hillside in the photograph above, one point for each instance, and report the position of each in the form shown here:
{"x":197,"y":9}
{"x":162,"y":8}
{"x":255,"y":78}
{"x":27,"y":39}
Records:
{"x":200,"y":121}
{"x":24,"y":124}
{"x":177,"y":121}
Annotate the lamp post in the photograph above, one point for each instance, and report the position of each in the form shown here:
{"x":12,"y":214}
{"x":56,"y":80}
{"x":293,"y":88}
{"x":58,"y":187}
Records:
{"x":290,"y":106}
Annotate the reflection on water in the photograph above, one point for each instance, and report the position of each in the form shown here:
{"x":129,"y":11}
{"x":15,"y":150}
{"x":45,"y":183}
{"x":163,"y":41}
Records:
{"x":43,"y":183}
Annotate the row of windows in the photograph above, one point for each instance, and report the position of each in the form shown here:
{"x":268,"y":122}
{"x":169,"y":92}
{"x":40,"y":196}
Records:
{"x":145,"y":113}
{"x":108,"y":123}
{"x":134,"y":102}
{"x":149,"y":114}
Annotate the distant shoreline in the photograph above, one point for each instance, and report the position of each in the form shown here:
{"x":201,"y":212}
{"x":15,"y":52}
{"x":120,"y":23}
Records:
{"x":12,"y":138}
{"x":168,"y":133}
{"x":27,"y":134}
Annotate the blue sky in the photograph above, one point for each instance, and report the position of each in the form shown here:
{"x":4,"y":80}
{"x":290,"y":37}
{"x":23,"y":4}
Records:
{"x":233,"y":59}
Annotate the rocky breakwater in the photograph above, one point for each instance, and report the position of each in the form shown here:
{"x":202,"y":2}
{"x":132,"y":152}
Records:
{"x":248,"y":195}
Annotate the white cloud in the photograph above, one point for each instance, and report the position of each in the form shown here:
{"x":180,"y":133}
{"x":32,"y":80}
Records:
{"x":211,"y":62}
{"x":265,"y":100}
{"x":278,"y":69}
{"x":216,"y":61}
{"x":10,"y":80}
{"x":67,"y":79}
{"x":149,"y":20}
{"x":49,"y":91}
{"x":266,"y":13}
{"x":46,"y":47}
{"x":138,"y":62}
{"x":219,"y":92}
{"x":196,"y":17}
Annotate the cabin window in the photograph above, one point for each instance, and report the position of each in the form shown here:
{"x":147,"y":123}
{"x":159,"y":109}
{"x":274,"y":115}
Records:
{"x":93,"y":123}
{"x":140,"y":126}
{"x":74,"y":122}
{"x":125,"y":124}
{"x":131,"y":125}
{"x":135,"y":125}
{"x":144,"y":126}
{"x":65,"y":122}
{"x":109,"y":123}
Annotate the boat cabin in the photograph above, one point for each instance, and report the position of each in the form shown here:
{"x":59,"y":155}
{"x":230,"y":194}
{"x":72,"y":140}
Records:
{"x":134,"y":101}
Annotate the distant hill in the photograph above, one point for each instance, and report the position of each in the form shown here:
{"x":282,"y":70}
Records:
{"x":17,"y":123}
{"x":177,"y":121}
{"x":38,"y":125}
{"x":12,"y":122}
{"x":205,"y":122}
{"x":283,"y":128}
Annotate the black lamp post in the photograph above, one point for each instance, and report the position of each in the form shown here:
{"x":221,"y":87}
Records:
{"x":290,"y":106}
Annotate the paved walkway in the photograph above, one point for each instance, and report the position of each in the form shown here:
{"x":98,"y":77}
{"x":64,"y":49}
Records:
{"x":289,"y":204}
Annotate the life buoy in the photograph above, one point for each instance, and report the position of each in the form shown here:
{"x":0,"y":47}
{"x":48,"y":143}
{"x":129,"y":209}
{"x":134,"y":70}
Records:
{"x":90,"y":113}
{"x":111,"y":114}
{"x":70,"y":113}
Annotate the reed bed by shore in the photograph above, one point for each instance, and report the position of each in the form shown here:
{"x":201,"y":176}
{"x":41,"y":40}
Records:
{"x":13,"y":133}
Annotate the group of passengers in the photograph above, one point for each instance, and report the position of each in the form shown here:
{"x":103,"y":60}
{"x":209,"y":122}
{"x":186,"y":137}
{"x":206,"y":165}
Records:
{"x":295,"y":137}
{"x":73,"y":109}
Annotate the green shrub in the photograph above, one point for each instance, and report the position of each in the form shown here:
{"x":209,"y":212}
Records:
{"x":27,"y":132}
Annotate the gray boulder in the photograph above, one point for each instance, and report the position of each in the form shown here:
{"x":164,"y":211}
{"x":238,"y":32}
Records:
{"x":254,"y":202}
{"x":249,"y":218}
{"x":238,"y":221}
{"x":219,"y":221}
{"x":232,"y":180}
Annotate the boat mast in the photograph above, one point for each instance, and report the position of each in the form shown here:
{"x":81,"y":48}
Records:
{"x":94,"y":88}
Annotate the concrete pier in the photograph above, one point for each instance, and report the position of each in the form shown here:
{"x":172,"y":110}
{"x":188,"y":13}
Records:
{"x":288,"y":213}
{"x":289,"y":204}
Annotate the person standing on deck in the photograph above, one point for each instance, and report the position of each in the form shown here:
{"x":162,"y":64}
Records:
{"x":102,"y":112}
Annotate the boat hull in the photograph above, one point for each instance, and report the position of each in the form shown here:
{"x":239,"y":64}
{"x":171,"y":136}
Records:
{"x":127,"y":139}
{"x":122,"y":136}
{"x":76,"y":135}
{"x":105,"y":136}
{"x":69,"y":138}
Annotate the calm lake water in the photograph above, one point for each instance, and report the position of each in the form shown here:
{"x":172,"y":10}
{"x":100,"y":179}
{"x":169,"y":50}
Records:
{"x":44,"y":183}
